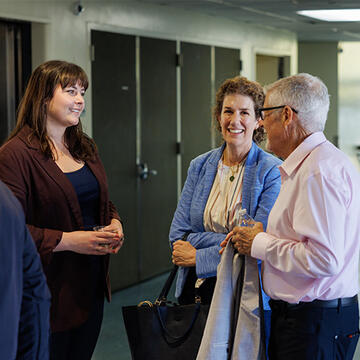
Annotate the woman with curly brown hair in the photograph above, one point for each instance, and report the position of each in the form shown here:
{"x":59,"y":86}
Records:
{"x":220,"y":184}
{"x":54,"y":170}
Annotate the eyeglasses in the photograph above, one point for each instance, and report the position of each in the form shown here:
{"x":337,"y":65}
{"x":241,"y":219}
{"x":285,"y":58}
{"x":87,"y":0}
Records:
{"x":262,"y":115}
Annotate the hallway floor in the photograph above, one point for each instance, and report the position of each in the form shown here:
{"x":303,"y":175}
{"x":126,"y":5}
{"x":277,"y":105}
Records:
{"x":113,"y":343}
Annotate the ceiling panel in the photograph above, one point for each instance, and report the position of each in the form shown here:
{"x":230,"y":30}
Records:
{"x":279,"y":14}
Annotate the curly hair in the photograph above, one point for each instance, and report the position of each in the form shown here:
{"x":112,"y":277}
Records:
{"x":33,"y":109}
{"x":240,"y":85}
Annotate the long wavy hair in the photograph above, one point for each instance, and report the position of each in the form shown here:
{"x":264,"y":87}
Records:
{"x":240,"y":85}
{"x":33,"y":108}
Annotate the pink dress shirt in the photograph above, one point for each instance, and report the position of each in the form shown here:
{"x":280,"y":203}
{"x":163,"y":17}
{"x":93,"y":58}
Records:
{"x":311,"y":247}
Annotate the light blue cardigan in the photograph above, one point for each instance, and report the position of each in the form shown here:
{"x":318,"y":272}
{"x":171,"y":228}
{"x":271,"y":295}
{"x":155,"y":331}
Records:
{"x":261,"y":186}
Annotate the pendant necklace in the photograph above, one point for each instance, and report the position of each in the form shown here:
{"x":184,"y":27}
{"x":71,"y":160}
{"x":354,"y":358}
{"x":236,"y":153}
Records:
{"x":233,"y":172}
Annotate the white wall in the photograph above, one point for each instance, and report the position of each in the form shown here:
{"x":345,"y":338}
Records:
{"x":349,"y":99}
{"x":59,"y":34}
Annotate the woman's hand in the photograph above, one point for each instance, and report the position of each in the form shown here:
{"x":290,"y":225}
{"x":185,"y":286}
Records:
{"x":184,"y":254}
{"x":116,"y":227}
{"x":88,"y":242}
{"x":107,"y":241}
{"x":225,"y":241}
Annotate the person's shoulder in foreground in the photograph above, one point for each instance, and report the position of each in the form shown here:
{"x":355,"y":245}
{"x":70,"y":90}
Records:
{"x":24,"y":308}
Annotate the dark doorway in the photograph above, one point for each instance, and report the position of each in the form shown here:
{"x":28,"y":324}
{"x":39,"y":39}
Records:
{"x":271,"y":68}
{"x":15,"y":70}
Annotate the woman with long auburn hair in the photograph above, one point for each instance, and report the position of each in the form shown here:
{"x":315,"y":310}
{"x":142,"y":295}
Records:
{"x":54,"y":170}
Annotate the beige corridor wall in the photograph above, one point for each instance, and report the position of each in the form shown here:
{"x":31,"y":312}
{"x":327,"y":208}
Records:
{"x":349,"y":100}
{"x":58,"y":33}
{"x":321,"y":59}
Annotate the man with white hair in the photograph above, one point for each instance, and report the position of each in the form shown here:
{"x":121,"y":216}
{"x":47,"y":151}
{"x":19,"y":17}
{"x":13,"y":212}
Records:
{"x":310,"y":249}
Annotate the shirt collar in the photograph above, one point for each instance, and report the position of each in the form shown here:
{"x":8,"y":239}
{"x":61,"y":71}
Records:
{"x":301,"y":152}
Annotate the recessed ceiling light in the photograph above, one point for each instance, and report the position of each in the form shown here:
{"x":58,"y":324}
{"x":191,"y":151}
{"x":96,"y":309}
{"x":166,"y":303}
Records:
{"x":332,"y":15}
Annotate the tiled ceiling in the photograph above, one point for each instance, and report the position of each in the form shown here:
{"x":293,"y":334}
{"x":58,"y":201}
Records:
{"x":277,"y":14}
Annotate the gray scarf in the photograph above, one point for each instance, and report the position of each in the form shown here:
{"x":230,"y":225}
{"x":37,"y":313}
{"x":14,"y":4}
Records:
{"x":233,"y":327}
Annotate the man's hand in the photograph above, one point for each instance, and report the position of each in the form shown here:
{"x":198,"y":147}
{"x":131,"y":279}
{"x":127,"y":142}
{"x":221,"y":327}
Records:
{"x":242,"y":237}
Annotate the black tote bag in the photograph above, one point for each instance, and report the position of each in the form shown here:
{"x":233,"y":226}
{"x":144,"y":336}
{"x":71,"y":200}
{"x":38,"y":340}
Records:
{"x":163,"y":330}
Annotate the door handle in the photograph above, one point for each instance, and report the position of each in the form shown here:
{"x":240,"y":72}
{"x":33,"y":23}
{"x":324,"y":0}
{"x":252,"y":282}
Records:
{"x":144,"y":172}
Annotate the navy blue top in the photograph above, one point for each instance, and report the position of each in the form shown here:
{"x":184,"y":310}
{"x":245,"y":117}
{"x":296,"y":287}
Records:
{"x":88,"y":192}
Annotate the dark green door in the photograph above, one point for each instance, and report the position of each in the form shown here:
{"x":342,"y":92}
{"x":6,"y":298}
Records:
{"x":227,"y":65}
{"x":114,"y":130}
{"x":195,"y":102}
{"x":134,"y":126}
{"x":158,"y":151}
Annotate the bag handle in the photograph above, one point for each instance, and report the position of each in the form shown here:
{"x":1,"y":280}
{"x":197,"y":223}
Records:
{"x":166,"y":288}
{"x":163,"y":298}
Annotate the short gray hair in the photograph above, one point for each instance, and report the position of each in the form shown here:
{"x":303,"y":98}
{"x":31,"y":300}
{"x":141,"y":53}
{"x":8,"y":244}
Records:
{"x":305,"y":93}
